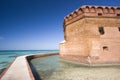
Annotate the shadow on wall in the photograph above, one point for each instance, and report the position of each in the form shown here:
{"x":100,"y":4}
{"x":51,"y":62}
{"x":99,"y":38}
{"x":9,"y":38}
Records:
{"x":34,"y":71}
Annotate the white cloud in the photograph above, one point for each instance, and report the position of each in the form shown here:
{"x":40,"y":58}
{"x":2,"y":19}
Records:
{"x":1,"y":38}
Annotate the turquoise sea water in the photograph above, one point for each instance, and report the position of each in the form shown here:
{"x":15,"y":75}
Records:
{"x":53,"y":68}
{"x":7,"y":56}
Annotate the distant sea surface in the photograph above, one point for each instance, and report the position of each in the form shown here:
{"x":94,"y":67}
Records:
{"x":7,"y":56}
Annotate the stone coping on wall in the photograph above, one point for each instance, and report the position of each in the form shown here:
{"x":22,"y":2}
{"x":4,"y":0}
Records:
{"x":20,"y":69}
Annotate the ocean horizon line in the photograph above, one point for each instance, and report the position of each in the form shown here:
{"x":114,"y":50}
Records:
{"x":27,"y":49}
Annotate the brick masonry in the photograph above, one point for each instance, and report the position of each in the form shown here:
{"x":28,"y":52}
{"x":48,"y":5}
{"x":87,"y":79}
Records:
{"x":92,"y":35}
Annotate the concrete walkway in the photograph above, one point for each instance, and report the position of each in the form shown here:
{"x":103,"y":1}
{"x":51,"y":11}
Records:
{"x":18,"y":70}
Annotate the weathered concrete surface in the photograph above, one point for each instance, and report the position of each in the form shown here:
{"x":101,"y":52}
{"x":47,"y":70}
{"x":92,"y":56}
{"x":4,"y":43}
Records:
{"x":18,"y":70}
{"x":84,"y":41}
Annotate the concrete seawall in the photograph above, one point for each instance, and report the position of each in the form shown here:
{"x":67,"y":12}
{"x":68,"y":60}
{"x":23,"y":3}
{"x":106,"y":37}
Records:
{"x":19,"y":69}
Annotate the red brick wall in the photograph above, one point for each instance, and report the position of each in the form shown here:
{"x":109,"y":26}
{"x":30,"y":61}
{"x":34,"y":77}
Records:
{"x":84,"y":43}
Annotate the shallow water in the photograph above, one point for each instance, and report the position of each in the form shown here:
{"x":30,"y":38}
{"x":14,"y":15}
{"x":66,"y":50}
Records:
{"x":51,"y":68}
{"x":7,"y":56}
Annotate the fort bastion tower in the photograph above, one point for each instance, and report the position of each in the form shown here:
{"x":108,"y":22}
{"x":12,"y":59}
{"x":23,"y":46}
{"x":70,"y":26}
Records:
{"x":92,"y":35}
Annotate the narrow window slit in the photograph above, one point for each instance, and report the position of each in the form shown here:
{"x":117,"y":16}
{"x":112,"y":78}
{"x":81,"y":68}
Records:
{"x":118,"y":14}
{"x":105,"y":48}
{"x":118,"y":8}
{"x":119,"y":28}
{"x":99,"y":14}
{"x":101,"y":30}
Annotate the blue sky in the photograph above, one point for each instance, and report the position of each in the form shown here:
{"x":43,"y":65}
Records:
{"x":37,"y":24}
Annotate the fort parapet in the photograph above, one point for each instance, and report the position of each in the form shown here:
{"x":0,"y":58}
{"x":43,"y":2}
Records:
{"x":92,"y":11}
{"x":92,"y":35}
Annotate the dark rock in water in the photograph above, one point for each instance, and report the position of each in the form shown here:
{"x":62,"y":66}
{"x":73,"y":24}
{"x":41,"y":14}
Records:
{"x":1,"y":70}
{"x":13,"y":56}
{"x":4,"y":62}
{"x":6,"y":53}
